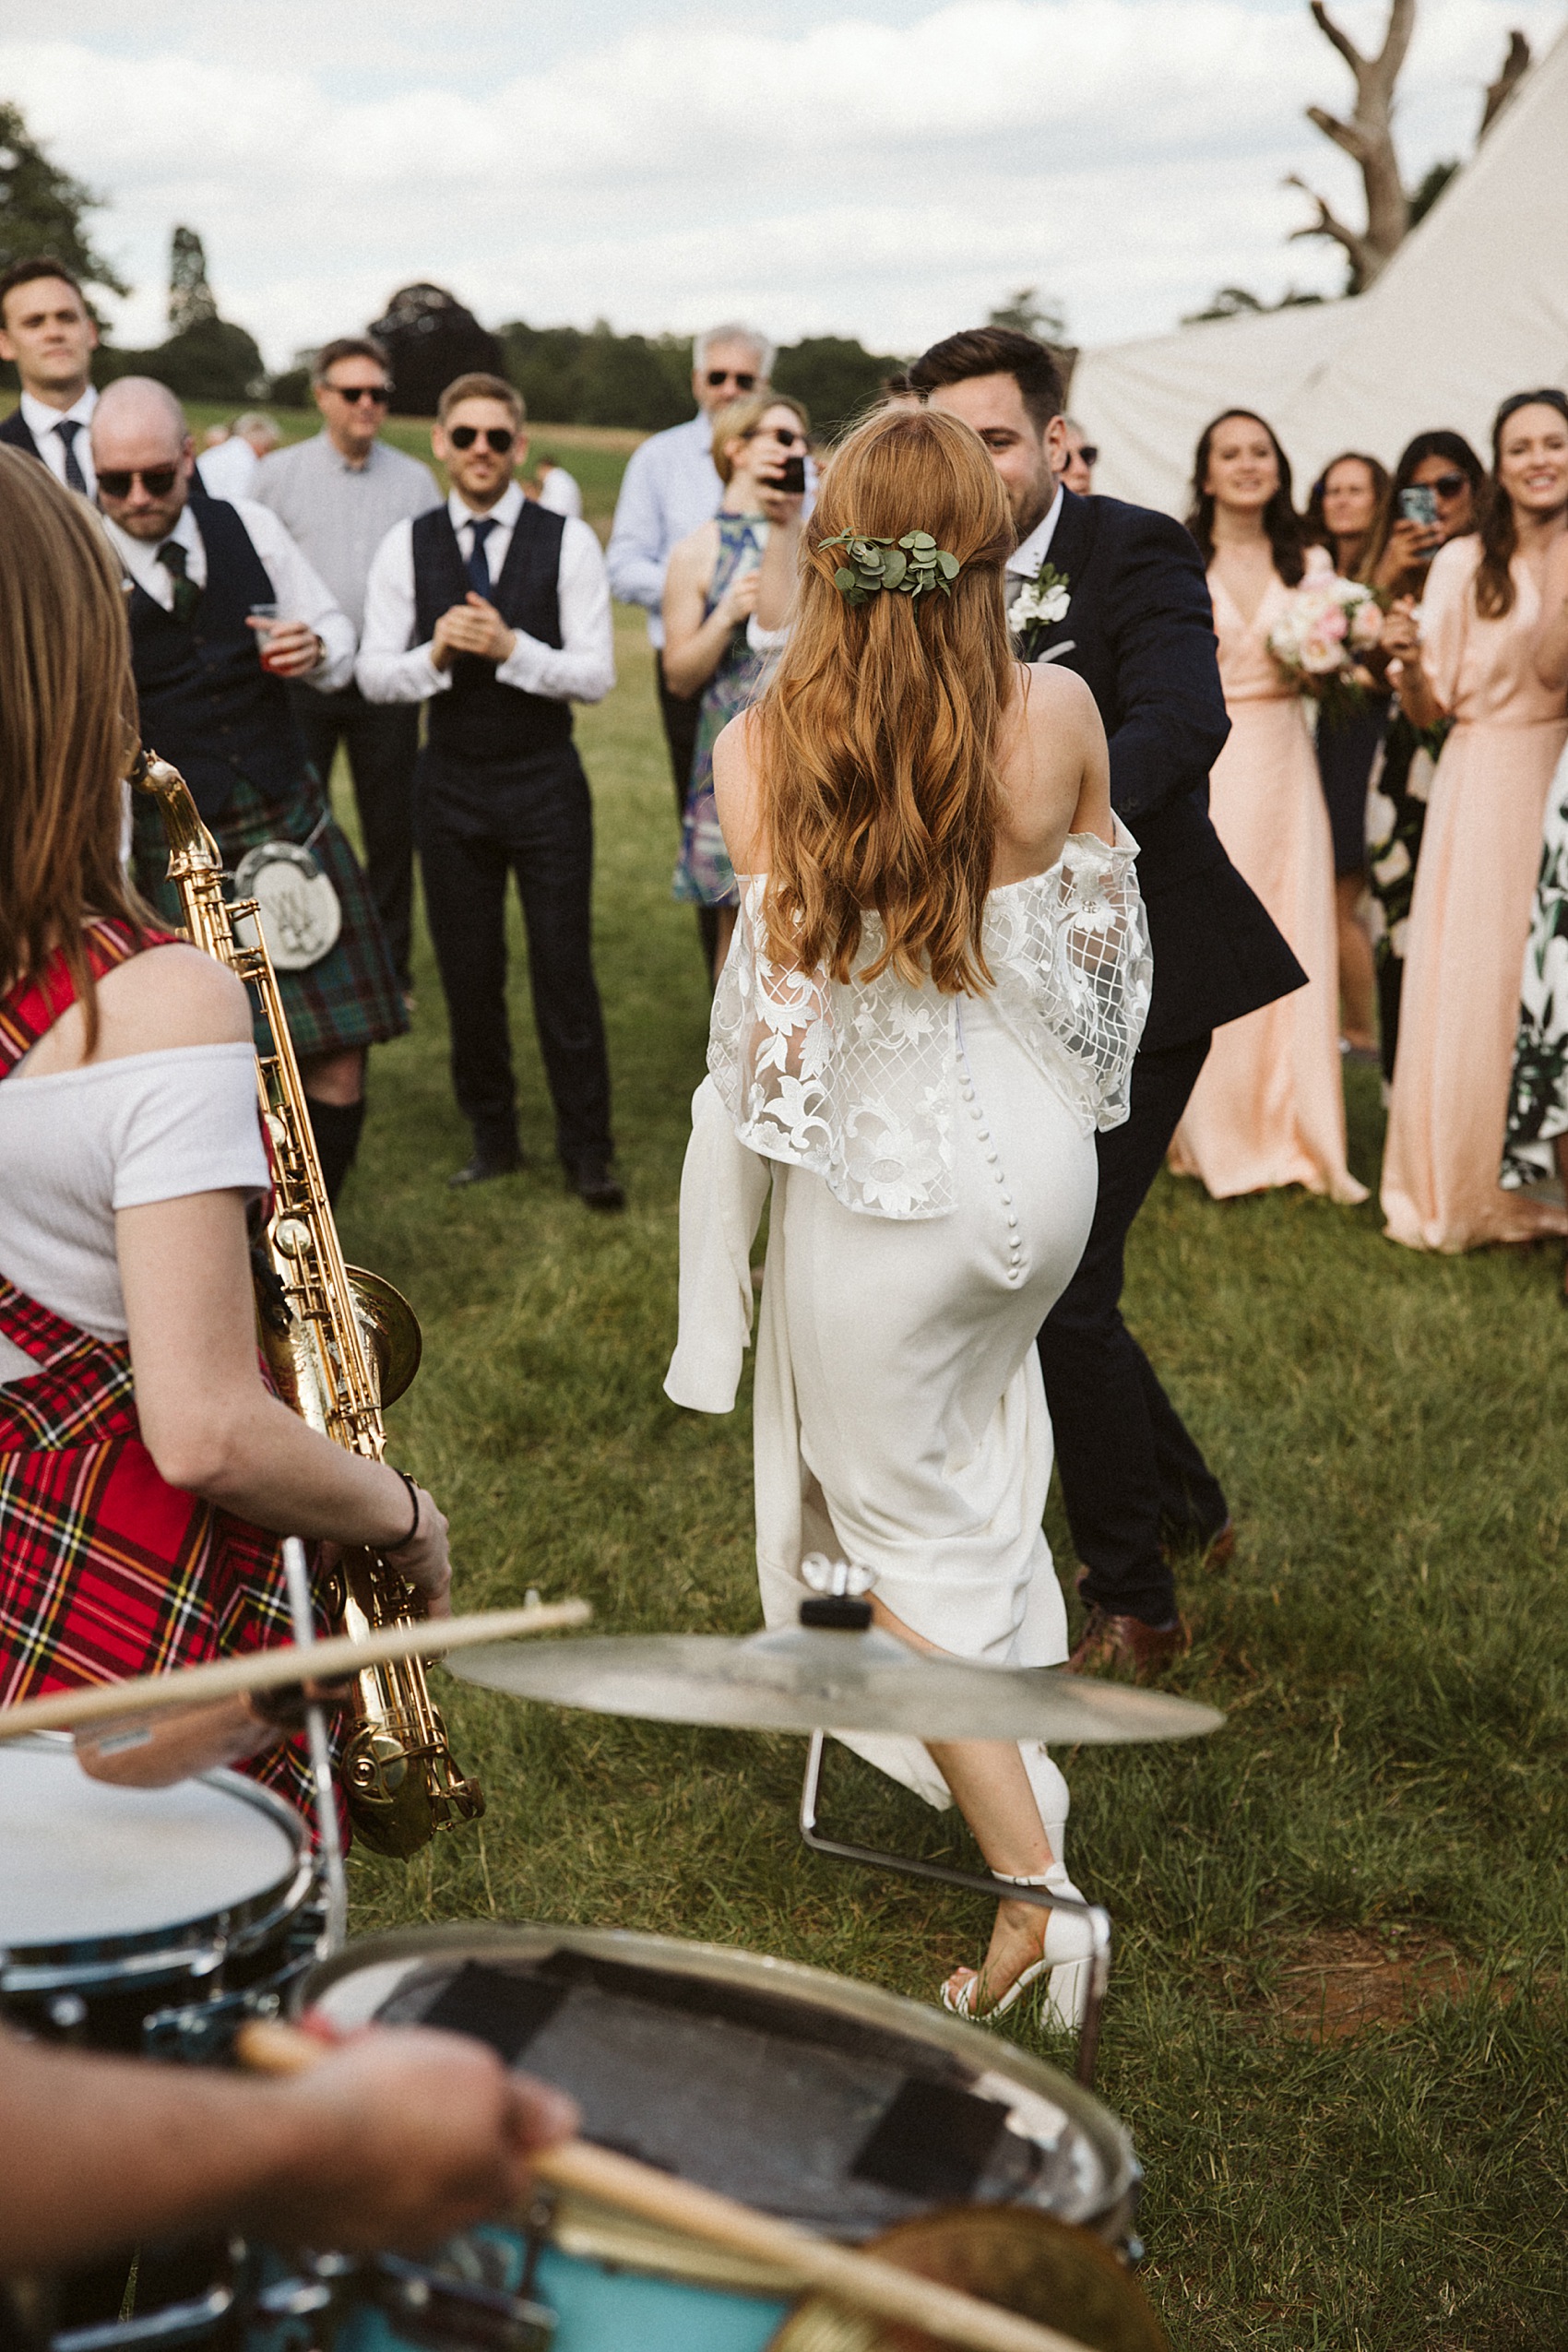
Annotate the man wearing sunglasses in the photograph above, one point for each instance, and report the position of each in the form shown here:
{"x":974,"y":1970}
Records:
{"x":338,"y":494}
{"x":196,"y":569}
{"x":669,"y":488}
{"x":495,"y":612}
{"x":1079,"y":459}
{"x":47,"y":333}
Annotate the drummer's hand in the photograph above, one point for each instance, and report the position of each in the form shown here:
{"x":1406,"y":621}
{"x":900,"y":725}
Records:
{"x":404,"y":2136}
{"x":423,"y":1561}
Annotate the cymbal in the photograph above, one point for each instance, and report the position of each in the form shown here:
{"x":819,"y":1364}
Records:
{"x":269,"y":1670}
{"x":804,"y":1679}
{"x":1024,"y":2260}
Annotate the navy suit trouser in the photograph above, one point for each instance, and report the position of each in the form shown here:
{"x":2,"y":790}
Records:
{"x":1131,"y":1478}
{"x":475,"y":829}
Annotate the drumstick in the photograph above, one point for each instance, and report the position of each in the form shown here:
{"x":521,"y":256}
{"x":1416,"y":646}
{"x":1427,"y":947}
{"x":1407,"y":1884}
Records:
{"x":268,"y":1669}
{"x":864,"y":2282}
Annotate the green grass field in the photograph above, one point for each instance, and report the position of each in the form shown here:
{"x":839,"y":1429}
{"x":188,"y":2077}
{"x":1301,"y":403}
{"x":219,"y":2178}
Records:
{"x":1336,"y":2021}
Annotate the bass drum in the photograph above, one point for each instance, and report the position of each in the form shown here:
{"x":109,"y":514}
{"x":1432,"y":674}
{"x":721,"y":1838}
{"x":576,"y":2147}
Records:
{"x":828,"y":2103}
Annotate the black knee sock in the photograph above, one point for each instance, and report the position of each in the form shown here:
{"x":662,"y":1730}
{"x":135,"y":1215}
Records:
{"x":337,"y":1127}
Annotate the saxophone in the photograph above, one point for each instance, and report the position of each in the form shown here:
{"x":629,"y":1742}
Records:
{"x":340,"y":1344}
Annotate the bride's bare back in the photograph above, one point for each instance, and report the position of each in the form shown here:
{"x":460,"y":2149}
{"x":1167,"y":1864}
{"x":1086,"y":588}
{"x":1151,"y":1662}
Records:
{"x":1053,"y":768}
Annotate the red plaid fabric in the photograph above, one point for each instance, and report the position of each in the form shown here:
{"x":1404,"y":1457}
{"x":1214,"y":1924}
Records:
{"x":106,"y":1571}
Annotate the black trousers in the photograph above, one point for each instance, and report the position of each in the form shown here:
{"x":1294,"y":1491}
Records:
{"x":680,"y":714}
{"x":382,"y":741}
{"x":1130,"y":1475}
{"x":533,"y":821}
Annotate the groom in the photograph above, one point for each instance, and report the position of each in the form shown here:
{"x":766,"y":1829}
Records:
{"x":1117,"y":594}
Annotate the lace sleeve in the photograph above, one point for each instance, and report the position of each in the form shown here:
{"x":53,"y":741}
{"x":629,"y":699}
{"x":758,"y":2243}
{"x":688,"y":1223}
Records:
{"x":1070,"y":953}
{"x":854,"y":1083}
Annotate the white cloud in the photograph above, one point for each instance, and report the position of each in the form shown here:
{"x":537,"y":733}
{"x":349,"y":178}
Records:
{"x":890,"y":177}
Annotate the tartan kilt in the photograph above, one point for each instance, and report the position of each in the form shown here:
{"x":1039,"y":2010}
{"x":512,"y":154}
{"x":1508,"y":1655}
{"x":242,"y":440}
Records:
{"x":106,"y":1571}
{"x":351,"y":997}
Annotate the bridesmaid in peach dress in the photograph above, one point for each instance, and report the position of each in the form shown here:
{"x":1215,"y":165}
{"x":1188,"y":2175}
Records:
{"x":1480,"y":854}
{"x":1268,"y":1108}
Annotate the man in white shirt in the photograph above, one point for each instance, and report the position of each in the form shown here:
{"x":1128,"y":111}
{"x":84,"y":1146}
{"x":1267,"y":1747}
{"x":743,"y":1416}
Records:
{"x":496,"y":613}
{"x":228,"y":468}
{"x":211,"y":679}
{"x":559,"y":491}
{"x":47,"y":333}
{"x":670,"y":486}
{"x":338,"y":494}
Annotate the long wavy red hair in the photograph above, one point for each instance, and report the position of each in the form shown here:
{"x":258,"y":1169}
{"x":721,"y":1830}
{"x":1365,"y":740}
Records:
{"x":877,"y":739}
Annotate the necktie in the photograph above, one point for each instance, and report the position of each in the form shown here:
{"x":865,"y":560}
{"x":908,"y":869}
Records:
{"x":477,"y":565}
{"x":187,"y":596}
{"x":68,"y":430}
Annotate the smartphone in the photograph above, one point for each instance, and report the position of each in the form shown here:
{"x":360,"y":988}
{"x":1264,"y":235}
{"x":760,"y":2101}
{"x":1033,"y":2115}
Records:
{"x":1419,"y":505}
{"x":791,"y":481}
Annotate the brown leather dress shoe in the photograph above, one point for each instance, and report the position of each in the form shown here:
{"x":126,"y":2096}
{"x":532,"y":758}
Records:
{"x":1125,"y":1644}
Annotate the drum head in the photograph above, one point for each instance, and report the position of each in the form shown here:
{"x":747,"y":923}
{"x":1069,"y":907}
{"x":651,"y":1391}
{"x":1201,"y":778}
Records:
{"x":84,"y":1863}
{"x":842,"y":2108}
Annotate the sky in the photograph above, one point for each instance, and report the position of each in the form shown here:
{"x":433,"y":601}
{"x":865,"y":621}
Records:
{"x":889,"y":169}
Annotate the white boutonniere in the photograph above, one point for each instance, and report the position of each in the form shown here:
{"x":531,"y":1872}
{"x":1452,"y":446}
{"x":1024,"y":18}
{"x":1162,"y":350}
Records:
{"x":1040,"y":602}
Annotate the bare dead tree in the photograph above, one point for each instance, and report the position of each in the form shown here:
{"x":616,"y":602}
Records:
{"x":1515,"y":66}
{"x":1368,"y":139}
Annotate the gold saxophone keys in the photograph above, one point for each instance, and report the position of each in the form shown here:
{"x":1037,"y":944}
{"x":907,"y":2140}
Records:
{"x":340,"y":1346}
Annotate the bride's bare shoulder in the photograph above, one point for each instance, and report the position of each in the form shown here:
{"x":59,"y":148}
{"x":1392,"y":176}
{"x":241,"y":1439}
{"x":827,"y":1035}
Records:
{"x":737,"y":793}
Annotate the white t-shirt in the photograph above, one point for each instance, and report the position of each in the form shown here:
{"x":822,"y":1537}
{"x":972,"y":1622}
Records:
{"x":77,"y":1145}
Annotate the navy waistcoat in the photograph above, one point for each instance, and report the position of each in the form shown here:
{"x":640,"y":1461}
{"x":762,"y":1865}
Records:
{"x":479,"y":721}
{"x":206,"y":704}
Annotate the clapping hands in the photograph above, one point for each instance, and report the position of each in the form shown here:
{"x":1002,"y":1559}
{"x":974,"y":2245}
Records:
{"x":474,"y":626}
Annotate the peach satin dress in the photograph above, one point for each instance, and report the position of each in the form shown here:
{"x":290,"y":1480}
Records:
{"x":1470,"y":919}
{"x":1268,"y":1107}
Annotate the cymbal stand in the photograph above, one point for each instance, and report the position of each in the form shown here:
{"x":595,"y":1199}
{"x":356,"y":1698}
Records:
{"x":972,"y":1882}
{"x":296,"y":1575}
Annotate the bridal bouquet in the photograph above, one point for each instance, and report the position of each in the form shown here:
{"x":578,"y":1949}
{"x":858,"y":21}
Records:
{"x":1319,"y":638}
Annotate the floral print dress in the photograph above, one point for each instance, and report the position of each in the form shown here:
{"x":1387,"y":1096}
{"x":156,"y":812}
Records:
{"x":703,"y":875}
{"x":1537,"y":1100}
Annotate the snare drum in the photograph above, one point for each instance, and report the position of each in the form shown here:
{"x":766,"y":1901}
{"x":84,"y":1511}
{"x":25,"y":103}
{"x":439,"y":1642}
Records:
{"x":146,"y":1919}
{"x":830,"y":2104}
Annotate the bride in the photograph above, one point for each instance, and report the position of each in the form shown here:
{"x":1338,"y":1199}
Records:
{"x":937,"y":982}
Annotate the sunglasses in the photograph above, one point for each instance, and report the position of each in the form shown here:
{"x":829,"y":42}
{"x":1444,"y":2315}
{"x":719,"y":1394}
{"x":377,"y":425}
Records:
{"x":463,"y":436}
{"x":377,"y":395}
{"x":743,"y":379}
{"x":781,"y":433}
{"x":1448,"y":485}
{"x":157,"y":480}
{"x":1089,"y":453}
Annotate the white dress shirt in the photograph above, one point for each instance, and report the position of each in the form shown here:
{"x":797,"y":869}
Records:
{"x":299,"y":594}
{"x":41,"y":421}
{"x":1029,"y":557}
{"x":391,"y":668}
{"x":229,"y":469}
{"x":669,"y":486}
{"x":561,"y":493}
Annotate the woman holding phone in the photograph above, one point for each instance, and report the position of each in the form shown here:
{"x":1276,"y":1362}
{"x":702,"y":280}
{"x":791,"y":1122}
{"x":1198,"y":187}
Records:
{"x":1472,"y":658}
{"x":1346,"y":514}
{"x":1437,"y":494}
{"x":710,"y":593}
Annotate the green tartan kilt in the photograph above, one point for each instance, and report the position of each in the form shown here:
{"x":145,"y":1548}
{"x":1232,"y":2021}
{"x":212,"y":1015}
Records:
{"x":351,"y":997}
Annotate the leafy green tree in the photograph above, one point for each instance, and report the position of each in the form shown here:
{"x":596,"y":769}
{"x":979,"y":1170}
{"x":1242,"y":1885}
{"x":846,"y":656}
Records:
{"x":1026,"y":314}
{"x":43,"y":211}
{"x":191,"y":299}
{"x":834,"y":375}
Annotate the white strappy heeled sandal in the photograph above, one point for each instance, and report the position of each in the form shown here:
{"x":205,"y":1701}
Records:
{"x":1066,"y":1957}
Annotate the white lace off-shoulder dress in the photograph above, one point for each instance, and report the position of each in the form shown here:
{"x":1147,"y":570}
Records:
{"x":933,"y":1170}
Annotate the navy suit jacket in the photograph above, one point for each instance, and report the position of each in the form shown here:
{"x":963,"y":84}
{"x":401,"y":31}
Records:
{"x":1139,"y":631}
{"x":17,"y":431}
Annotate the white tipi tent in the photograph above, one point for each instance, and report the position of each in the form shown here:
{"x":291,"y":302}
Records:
{"x":1473,"y":306}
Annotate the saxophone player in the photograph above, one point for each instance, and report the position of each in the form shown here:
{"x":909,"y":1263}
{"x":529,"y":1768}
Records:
{"x":146,"y":1471}
{"x":214,"y":679}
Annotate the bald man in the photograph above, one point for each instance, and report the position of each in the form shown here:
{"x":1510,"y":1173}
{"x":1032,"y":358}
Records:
{"x":210,"y":670}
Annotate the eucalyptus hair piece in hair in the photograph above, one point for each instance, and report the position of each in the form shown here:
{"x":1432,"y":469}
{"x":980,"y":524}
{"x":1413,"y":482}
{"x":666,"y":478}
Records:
{"x":910,"y":566}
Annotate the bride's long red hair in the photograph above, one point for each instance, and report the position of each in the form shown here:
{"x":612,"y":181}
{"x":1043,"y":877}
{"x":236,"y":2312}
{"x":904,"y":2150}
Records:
{"x":877,"y":739}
